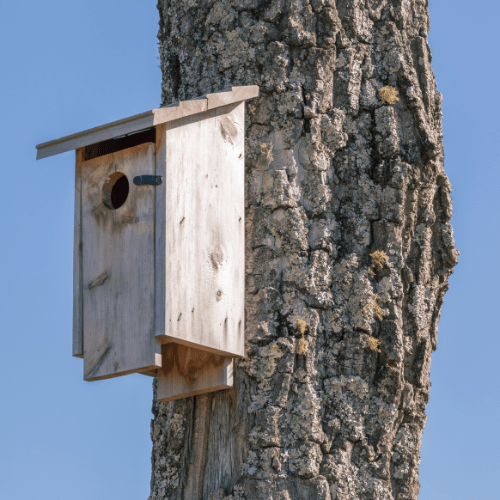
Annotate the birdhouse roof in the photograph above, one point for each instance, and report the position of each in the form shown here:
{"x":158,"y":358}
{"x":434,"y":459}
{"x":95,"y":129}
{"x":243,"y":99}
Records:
{"x":145,"y":120}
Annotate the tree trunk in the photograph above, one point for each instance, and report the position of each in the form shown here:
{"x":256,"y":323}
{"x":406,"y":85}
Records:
{"x":348,"y":250}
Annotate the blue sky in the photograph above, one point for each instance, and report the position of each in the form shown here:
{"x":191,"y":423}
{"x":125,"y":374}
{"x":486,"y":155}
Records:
{"x":67,"y":66}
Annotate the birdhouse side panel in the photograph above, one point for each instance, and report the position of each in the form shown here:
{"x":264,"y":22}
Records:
{"x":160,"y":232}
{"x":204,"y":227}
{"x":77,"y":261}
{"x":118,"y":254}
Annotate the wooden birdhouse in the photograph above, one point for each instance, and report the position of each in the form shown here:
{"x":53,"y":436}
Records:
{"x":159,"y":243}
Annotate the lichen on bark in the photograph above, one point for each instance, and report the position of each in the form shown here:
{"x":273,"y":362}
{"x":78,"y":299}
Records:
{"x":334,"y":173}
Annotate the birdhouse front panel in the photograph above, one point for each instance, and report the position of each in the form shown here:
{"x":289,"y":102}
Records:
{"x":201,"y":232}
{"x":118,"y":262}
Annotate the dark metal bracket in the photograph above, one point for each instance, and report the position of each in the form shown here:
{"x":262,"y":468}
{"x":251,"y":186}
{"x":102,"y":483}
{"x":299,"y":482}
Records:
{"x":147,"y":180}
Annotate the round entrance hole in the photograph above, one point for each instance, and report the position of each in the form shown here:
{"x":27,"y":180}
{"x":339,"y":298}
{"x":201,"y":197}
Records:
{"x":115,"y":190}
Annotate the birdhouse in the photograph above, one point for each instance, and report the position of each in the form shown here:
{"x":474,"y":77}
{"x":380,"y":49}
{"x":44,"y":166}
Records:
{"x":159,"y":243}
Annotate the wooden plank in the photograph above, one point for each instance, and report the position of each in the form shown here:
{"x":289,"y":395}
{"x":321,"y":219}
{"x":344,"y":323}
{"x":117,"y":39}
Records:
{"x":145,"y":120}
{"x":187,"y":372}
{"x":121,"y":127}
{"x":226,"y":439}
{"x":236,"y":94}
{"x":204,"y":227}
{"x":179,"y":110}
{"x":96,"y":134}
{"x":77,"y":261}
{"x":198,"y":453}
{"x":160,"y":231}
{"x":118,"y":268}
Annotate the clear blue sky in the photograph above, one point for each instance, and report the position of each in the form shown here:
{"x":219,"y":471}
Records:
{"x":67,"y":66}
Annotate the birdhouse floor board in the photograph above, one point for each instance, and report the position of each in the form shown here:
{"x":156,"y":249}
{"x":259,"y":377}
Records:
{"x":187,"y":372}
{"x":170,"y":390}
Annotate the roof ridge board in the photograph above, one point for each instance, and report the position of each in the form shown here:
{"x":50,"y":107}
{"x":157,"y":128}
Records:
{"x":179,"y":109}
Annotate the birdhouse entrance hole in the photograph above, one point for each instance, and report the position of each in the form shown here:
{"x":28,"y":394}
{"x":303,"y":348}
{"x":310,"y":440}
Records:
{"x":115,"y":190}
{"x":119,"y":143}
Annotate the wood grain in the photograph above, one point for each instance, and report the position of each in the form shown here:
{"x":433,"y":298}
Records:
{"x":203,"y":220}
{"x":236,"y":94}
{"x":187,"y":372}
{"x":77,"y":261}
{"x":167,"y":267}
{"x":118,"y":269}
{"x":222,"y":451}
{"x":180,"y":110}
{"x":160,"y":231}
{"x":197,"y":455}
{"x":144,"y":120}
{"x":96,"y":134}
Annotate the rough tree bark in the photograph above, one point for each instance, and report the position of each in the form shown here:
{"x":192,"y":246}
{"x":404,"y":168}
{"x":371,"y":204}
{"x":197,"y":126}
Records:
{"x":329,"y":402}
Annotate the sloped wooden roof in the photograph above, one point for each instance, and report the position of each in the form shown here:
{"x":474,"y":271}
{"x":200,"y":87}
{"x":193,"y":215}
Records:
{"x":145,"y":120}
